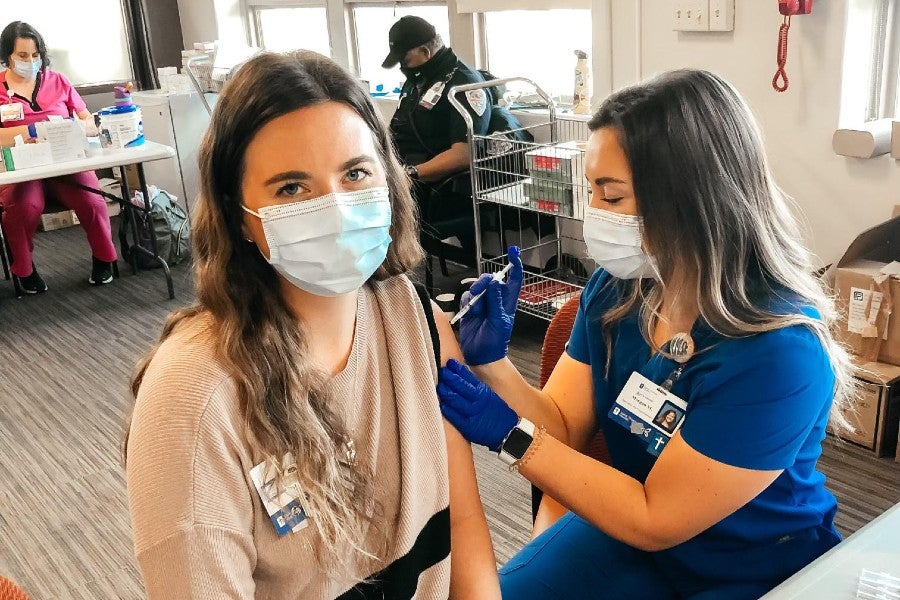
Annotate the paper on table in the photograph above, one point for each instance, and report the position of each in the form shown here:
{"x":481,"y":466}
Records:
{"x":23,"y":156}
{"x":66,"y":138}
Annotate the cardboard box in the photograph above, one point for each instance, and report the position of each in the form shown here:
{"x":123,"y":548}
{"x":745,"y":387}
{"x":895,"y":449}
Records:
{"x":112,"y":186}
{"x":541,"y":189}
{"x":867,"y":285}
{"x":25,"y":156}
{"x":876,"y":416}
{"x":58,"y":220}
{"x":131,"y":177}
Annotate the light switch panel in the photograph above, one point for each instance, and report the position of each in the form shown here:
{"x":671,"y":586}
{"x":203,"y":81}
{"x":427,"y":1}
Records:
{"x":721,"y":15}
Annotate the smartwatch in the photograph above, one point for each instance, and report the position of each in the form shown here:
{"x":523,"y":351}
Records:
{"x":517,"y":442}
{"x":412,"y":171}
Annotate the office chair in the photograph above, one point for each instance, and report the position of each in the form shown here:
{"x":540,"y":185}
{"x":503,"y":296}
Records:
{"x":544,"y":509}
{"x":445,"y":211}
{"x":10,"y":591}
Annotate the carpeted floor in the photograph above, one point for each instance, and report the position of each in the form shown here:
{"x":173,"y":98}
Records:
{"x":65,"y":360}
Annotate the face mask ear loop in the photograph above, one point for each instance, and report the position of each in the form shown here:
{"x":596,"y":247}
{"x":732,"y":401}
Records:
{"x":252,"y":212}
{"x":255,"y":214}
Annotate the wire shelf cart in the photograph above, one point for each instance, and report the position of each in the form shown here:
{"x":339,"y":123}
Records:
{"x":531,"y":194}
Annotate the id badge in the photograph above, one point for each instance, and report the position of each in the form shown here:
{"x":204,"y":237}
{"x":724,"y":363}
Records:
{"x":648,"y":411}
{"x":432,"y":96}
{"x":14,"y":111}
{"x":286,"y":511}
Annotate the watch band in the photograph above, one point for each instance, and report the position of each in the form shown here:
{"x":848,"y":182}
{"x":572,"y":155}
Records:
{"x":517,"y":442}
{"x":412,"y":171}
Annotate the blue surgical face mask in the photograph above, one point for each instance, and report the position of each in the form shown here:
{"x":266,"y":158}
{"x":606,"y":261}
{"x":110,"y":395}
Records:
{"x":27,"y":69}
{"x":330,"y":245}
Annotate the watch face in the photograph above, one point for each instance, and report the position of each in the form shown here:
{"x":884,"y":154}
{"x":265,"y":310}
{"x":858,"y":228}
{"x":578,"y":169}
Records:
{"x":517,"y":443}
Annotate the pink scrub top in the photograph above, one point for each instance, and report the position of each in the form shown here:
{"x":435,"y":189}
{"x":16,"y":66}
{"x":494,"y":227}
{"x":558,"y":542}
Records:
{"x":53,"y":95}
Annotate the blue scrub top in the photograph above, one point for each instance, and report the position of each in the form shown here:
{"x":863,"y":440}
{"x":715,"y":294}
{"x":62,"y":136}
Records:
{"x":759,"y":402}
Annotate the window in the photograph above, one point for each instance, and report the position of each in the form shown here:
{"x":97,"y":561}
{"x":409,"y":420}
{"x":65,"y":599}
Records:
{"x":511,"y":51}
{"x":871,"y":61}
{"x":282,"y":28}
{"x":87,"y":46}
{"x":371,"y":24}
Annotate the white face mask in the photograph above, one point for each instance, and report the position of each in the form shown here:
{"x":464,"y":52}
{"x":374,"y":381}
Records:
{"x":614,"y":242}
{"x":330,"y":245}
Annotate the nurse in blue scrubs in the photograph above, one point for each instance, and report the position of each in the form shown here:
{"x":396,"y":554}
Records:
{"x":704,"y":304}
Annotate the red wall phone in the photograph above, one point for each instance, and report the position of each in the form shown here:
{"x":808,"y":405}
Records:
{"x":788,"y":8}
{"x":795,"y":7}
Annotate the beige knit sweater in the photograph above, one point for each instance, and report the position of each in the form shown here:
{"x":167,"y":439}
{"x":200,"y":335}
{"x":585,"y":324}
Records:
{"x":200,"y":530}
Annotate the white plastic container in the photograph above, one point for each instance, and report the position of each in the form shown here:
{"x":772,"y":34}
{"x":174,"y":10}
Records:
{"x":121,"y":127}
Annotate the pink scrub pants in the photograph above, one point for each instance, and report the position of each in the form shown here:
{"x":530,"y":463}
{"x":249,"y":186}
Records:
{"x":23,"y":204}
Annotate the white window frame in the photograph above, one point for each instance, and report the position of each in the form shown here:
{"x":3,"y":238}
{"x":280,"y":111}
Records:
{"x":870,"y":91}
{"x":484,"y":55}
{"x":252,"y":9}
{"x":883,"y":93}
{"x":352,"y":41}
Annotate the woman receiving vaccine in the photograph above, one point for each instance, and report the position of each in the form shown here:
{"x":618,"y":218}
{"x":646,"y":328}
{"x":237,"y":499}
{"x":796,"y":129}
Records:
{"x":287,"y":440}
{"x":703,"y":305}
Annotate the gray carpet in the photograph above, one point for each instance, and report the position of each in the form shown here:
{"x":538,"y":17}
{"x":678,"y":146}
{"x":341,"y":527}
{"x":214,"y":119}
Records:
{"x":65,"y":360}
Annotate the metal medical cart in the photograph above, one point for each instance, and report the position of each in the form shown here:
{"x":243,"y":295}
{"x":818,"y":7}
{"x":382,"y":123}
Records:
{"x":208,"y":74}
{"x":531,"y":194}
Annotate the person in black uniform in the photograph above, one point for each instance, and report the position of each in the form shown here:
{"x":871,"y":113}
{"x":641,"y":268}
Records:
{"x":430,"y":134}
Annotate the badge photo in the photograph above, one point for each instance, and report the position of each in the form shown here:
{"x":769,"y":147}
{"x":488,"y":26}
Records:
{"x":286,"y":509}
{"x":432,"y":96}
{"x":649,"y":411}
{"x":13,"y":111}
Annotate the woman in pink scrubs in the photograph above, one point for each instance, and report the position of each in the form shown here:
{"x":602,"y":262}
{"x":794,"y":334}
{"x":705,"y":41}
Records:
{"x":30,"y":92}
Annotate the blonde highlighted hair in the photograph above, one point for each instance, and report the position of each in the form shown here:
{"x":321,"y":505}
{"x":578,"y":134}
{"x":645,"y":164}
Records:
{"x":709,"y":203}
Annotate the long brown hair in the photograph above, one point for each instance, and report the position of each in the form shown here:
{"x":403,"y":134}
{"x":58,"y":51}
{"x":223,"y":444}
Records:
{"x":260,"y":341}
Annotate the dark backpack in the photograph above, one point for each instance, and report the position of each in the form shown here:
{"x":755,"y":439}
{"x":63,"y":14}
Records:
{"x":172,"y":228}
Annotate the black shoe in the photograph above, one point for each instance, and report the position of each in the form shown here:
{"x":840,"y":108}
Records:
{"x":33,"y":284}
{"x":101,"y":273}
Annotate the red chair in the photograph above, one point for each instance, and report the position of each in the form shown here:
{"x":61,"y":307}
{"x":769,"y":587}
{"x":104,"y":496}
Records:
{"x":10,"y":591}
{"x":544,"y":509}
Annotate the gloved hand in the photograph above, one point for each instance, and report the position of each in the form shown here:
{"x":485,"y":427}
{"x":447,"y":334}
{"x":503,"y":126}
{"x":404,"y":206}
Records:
{"x":485,"y":331}
{"x":480,"y":415}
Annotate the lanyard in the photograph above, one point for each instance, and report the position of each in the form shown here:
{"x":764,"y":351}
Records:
{"x":681,"y":349}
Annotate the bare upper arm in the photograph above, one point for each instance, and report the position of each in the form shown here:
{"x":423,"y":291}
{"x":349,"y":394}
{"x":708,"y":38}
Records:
{"x":571,"y":388}
{"x":688,"y":492}
{"x":474,"y":571}
{"x":449,"y":346}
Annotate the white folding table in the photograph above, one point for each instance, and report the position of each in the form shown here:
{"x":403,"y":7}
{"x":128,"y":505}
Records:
{"x":835,"y":574}
{"x":105,"y":158}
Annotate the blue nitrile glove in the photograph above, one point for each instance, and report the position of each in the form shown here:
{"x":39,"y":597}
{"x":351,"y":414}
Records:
{"x":485,"y":330}
{"x":480,"y":415}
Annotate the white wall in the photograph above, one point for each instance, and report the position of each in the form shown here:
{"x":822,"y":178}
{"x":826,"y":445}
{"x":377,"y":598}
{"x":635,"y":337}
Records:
{"x":838,"y":196}
{"x":198,"y":21}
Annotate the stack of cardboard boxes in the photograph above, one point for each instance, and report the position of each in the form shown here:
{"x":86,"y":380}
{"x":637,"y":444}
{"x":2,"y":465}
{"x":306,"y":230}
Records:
{"x":867,"y":287}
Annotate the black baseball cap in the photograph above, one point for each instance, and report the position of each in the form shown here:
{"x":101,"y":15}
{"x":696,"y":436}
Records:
{"x":407,"y":33}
